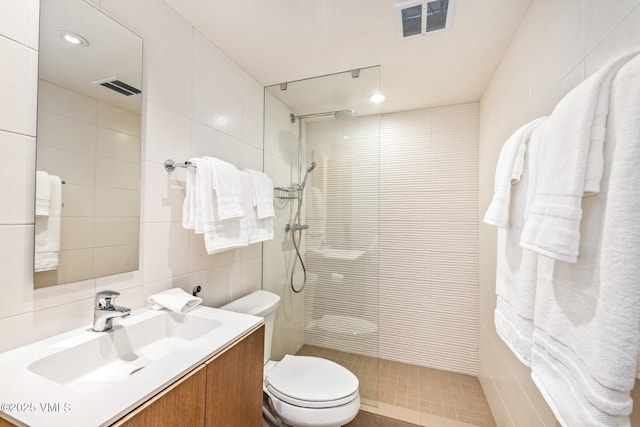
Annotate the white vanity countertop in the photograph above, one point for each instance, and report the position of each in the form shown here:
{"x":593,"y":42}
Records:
{"x":28,"y":398}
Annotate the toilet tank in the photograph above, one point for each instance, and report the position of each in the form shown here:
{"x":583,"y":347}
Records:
{"x":262,"y":304}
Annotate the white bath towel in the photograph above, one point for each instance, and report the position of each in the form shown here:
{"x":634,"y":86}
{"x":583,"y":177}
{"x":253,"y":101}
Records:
{"x":174,"y":299}
{"x":258,"y":230}
{"x":262,"y":194}
{"x":189,"y":204}
{"x":228,"y":191}
{"x":516,"y":270}
{"x":43,"y":193}
{"x":586,"y":338}
{"x":47,"y":230}
{"x":570,"y":166}
{"x":509,"y":169}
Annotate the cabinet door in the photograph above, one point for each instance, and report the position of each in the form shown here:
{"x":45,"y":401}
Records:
{"x":181,"y":405}
{"x":234,"y":384}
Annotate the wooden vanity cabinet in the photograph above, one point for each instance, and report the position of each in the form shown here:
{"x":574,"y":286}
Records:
{"x":224,"y":392}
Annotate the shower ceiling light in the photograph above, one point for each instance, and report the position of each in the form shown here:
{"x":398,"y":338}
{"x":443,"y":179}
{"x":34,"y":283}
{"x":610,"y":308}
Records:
{"x":73,"y":38}
{"x":377,"y":98}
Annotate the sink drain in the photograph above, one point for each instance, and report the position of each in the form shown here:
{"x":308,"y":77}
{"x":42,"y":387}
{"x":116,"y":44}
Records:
{"x":136,"y":370}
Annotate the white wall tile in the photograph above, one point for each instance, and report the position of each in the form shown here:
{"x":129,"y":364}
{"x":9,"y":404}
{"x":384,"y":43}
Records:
{"x":36,"y":325}
{"x":252,"y":157}
{"x":165,"y":250}
{"x":77,"y":200}
{"x":252,"y":93}
{"x":115,"y":231}
{"x":167,"y":80}
{"x":18,"y":170}
{"x":72,"y":167}
{"x":252,"y":127}
{"x":168,"y":134}
{"x":115,"y":259}
{"x":18,"y":85}
{"x":206,"y":141}
{"x":216,"y":285}
{"x":216,"y":65}
{"x":162,"y":194}
{"x":215,"y":107}
{"x":117,"y":202}
{"x":155,"y":21}
{"x":16,"y":265}
{"x":19,"y":21}
{"x":601,"y":17}
{"x":76,"y":232}
{"x":117,"y":173}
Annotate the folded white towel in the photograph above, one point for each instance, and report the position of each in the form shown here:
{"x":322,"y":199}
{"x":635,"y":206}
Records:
{"x":43,"y":193}
{"x":516,"y":270}
{"x":586,"y":339}
{"x":204,"y":216}
{"x":509,"y":169}
{"x":47,"y":230}
{"x":258,"y":230}
{"x":189,"y":204}
{"x":570,"y":166}
{"x":174,"y":299}
{"x":228,"y":191}
{"x":262,"y":194}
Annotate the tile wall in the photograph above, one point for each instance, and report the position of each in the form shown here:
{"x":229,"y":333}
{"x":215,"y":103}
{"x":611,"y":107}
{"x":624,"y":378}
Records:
{"x":196,"y":102}
{"x":558,"y":45}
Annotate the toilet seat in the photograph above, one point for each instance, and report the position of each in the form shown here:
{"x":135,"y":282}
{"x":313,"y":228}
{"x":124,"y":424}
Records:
{"x":311,"y":382}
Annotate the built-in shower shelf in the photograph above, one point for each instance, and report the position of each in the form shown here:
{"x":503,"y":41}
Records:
{"x":286,"y":192}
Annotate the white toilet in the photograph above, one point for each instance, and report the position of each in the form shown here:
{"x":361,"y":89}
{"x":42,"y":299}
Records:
{"x":303,"y":391}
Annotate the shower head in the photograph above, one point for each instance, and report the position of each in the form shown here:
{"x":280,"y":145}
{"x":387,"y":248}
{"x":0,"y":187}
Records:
{"x":311,"y":167}
{"x":340,"y":115}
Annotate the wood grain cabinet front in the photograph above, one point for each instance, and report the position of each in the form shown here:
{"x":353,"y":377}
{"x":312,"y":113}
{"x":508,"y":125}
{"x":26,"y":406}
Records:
{"x":224,"y":392}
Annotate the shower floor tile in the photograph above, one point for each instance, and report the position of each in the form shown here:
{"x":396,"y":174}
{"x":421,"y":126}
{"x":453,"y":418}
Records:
{"x":413,"y":394}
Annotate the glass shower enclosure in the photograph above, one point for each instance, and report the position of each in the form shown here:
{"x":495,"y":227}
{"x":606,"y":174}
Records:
{"x":322,"y":150}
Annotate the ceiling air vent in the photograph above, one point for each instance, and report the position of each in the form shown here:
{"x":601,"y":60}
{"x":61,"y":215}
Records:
{"x":418,"y":17}
{"x":117,"y":85}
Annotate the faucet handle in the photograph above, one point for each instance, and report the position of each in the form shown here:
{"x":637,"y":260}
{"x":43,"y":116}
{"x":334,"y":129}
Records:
{"x":104,"y":299}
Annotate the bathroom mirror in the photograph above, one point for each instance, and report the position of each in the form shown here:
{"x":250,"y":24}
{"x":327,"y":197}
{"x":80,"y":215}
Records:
{"x":88,"y":145}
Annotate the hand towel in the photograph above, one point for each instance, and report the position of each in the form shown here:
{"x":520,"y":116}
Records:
{"x":587,"y":314}
{"x":174,"y":299}
{"x":258,"y":230}
{"x":228,"y":191}
{"x":516,"y":270}
{"x":570,"y":166}
{"x":43,"y":193}
{"x":203,"y":203}
{"x":262,"y":194}
{"x":509,"y":169}
{"x":47,"y":230}
{"x":189,"y":204}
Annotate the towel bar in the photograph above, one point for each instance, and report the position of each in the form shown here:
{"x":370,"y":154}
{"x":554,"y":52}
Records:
{"x":170,"y":165}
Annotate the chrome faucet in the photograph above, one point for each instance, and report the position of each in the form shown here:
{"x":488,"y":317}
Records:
{"x":104,"y":311}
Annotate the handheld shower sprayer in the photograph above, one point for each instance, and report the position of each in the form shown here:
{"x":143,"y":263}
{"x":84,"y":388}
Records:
{"x":311,"y":167}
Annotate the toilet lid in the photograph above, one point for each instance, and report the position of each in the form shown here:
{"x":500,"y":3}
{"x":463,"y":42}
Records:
{"x":311,"y":382}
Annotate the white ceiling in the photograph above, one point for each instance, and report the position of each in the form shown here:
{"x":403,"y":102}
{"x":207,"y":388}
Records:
{"x":285,"y":40}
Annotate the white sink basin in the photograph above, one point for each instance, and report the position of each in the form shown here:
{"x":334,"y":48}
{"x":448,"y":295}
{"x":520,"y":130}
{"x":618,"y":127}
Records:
{"x":86,"y":378}
{"x":95,"y":360}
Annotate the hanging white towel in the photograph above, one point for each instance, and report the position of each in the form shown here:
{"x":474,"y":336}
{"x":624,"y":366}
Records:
{"x":509,"y":169}
{"x":587,"y":314}
{"x":175,"y":299}
{"x":258,"y":230}
{"x":47,"y":230}
{"x":570,"y":166}
{"x":516,"y":270}
{"x":262,"y":194}
{"x":191,"y":191}
{"x":228,"y":191}
{"x":43,"y":193}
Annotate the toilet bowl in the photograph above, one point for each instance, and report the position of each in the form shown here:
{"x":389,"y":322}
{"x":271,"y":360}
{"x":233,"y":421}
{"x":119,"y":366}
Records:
{"x":302,"y":391}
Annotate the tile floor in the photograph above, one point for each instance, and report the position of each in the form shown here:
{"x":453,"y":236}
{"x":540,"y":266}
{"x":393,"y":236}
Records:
{"x":413,"y":394}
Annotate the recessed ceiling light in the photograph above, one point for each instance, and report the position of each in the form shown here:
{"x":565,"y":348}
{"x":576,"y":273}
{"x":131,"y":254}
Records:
{"x":73,"y":38}
{"x":377,"y":98}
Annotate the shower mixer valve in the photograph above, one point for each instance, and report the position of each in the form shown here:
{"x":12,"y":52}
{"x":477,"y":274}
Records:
{"x":295,"y":227}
